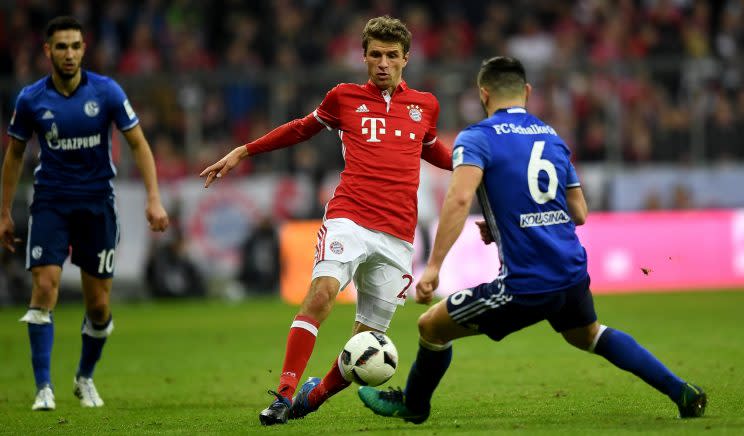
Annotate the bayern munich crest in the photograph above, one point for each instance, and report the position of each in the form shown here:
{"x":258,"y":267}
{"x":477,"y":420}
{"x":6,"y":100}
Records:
{"x":414,"y":111}
{"x":337,"y":247}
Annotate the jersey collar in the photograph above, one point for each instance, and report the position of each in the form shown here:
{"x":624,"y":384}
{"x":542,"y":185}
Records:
{"x":402,"y":86}
{"x":513,"y":110}
{"x":83,"y":81}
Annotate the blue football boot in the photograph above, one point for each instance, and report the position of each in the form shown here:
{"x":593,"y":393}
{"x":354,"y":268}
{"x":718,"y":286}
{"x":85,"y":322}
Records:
{"x":301,"y":402}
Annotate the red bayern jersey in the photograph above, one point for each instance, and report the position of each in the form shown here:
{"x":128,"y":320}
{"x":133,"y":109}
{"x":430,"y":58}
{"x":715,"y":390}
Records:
{"x":382,"y":136}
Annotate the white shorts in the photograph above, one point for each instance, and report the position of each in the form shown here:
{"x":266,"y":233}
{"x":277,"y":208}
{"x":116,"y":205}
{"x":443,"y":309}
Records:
{"x":380,"y":265}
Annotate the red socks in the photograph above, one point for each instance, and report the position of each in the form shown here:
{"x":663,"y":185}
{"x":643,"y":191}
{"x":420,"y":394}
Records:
{"x":300,"y":344}
{"x":332,"y":383}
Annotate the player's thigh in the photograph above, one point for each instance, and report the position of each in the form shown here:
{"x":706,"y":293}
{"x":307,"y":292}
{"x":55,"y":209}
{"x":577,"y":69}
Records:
{"x":437,"y":326}
{"x":492,"y":309}
{"x":338,"y":251}
{"x":48,"y":235}
{"x":577,"y":312}
{"x":94,"y":237}
{"x":373,"y":313}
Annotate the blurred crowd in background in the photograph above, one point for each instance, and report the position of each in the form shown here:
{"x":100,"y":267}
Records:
{"x":628,"y":84}
{"x":623,"y":81}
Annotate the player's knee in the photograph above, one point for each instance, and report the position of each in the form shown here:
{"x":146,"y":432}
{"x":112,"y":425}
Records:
{"x":582,"y":338}
{"x":320,"y":298}
{"x":45,"y":284}
{"x":427,"y":328}
{"x":97,"y":312}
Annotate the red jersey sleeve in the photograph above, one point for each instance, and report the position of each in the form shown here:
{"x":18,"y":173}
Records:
{"x":433,"y":150}
{"x":285,"y":135}
{"x":328,"y":111}
{"x":438,"y":155}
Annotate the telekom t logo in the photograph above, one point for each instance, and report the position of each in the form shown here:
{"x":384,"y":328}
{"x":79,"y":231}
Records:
{"x":373,"y":130}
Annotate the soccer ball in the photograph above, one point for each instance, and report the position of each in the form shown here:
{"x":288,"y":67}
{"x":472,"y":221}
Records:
{"x":369,"y":358}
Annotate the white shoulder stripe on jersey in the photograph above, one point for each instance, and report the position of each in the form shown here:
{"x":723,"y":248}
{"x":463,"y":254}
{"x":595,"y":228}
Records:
{"x":130,"y":126}
{"x":431,"y":142}
{"x":315,"y":114}
{"x":305,"y":325}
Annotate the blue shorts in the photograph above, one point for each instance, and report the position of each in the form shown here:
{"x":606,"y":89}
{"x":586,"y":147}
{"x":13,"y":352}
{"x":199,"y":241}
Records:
{"x":491,"y":309}
{"x":88,"y":230}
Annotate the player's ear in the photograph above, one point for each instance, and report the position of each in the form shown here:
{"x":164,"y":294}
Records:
{"x":483,"y":92}
{"x":47,"y":50}
{"x":527,"y":92}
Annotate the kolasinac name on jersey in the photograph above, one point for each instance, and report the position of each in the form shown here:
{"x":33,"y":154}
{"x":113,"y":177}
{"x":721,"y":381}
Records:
{"x":548,"y":218}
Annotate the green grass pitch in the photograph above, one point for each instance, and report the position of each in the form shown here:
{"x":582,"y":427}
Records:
{"x":204,"y":367}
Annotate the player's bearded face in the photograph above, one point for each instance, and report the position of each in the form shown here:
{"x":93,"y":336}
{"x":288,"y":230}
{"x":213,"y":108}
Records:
{"x":385,"y":62}
{"x":65,"y":50}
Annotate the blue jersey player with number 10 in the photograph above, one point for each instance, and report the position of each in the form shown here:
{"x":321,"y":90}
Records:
{"x":71,"y":112}
{"x":532,"y":201}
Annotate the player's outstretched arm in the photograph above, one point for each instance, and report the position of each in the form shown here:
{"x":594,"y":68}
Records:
{"x":155,"y":212}
{"x":287,"y":134}
{"x":465,"y":181}
{"x":223,"y":166}
{"x":12,"y":166}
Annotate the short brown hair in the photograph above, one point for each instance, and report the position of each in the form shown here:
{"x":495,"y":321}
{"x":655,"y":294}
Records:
{"x":503,"y":75}
{"x":387,"y":29}
{"x":64,"y":22}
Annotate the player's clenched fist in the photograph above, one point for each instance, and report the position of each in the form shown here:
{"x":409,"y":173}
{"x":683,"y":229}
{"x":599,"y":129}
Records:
{"x":157,"y":217}
{"x":485,"y":234}
{"x":426,"y":286}
{"x":224,"y":165}
{"x":7,"y":237}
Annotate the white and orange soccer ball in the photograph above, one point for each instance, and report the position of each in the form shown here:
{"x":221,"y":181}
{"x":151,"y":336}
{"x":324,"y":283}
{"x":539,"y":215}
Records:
{"x":369,"y":358}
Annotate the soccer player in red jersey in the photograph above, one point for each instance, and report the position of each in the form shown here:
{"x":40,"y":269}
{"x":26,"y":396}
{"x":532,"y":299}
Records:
{"x":385,"y":128}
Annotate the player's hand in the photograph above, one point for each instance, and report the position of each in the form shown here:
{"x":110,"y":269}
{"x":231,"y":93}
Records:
{"x":7,"y":233}
{"x":485,"y":233}
{"x":157,"y":217}
{"x":427,"y":284}
{"x":223,"y":166}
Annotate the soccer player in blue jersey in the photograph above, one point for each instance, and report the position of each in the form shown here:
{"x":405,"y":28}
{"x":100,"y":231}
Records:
{"x":532,"y":201}
{"x":71,"y":112}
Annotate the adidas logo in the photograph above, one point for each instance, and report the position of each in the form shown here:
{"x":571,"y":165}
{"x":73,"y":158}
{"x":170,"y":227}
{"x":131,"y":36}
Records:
{"x":362,"y":108}
{"x":48,"y":115}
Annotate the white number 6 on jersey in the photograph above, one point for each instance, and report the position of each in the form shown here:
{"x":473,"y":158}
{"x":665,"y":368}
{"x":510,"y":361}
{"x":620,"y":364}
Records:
{"x":458,"y":297}
{"x":537,"y":164}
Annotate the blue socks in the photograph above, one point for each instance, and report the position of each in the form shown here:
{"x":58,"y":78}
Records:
{"x":94,"y":337}
{"x":41,"y":337}
{"x":427,"y":370}
{"x":624,"y":352}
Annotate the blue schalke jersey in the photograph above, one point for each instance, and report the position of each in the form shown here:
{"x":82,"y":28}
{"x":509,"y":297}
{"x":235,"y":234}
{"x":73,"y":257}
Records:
{"x":526,"y":171}
{"x":74,"y":135}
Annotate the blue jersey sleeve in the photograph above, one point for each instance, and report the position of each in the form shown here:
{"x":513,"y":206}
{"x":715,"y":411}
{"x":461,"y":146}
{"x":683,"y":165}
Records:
{"x":572,"y":179}
{"x":21,"y":123}
{"x":120,"y":109}
{"x":471,"y":148}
